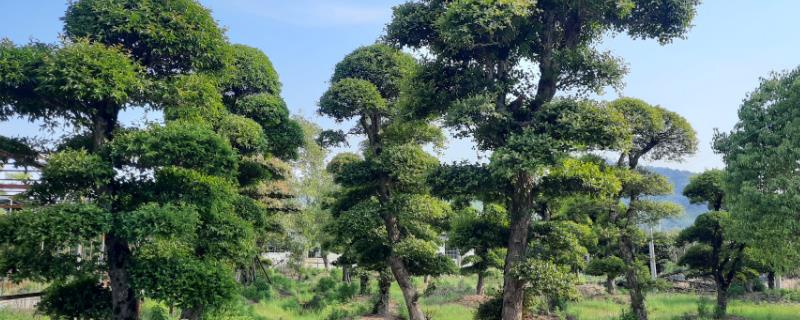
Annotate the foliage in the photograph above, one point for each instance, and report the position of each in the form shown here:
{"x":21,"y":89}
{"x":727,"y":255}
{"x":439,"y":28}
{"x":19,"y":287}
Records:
{"x":493,"y":71}
{"x":248,"y":71}
{"x":76,"y":82}
{"x":481,"y":231}
{"x":706,"y":187}
{"x":72,"y":174}
{"x":174,"y":210}
{"x":611,"y":266}
{"x":166,"y":37}
{"x":17,"y":150}
{"x":384,"y":215}
{"x":82,"y":298}
{"x":490,"y":309}
{"x":760,"y":154}
{"x":713,"y":253}
{"x":26,"y":232}
{"x":548,"y":279}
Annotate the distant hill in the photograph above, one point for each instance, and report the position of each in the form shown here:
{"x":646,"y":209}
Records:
{"x":679,"y":179}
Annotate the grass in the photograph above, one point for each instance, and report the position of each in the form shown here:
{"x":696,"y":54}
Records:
{"x":18,"y":315}
{"x":445,"y":301}
{"x":668,"y":306}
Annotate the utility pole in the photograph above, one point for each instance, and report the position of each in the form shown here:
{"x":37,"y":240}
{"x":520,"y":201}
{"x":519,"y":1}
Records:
{"x":652,"y":247}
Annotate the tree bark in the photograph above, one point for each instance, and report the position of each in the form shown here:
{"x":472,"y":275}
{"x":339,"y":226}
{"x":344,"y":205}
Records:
{"x":325,"y":261}
{"x":771,"y":280}
{"x":521,"y":209}
{"x":611,"y":287}
{"x":363,"y":282}
{"x":479,"y":290}
{"x":125,"y":305}
{"x":346,"y":274}
{"x":397,"y":265}
{"x":384,"y":283}
{"x":410,"y":295}
{"x":123,"y":297}
{"x":722,"y":302}
{"x":632,"y":279}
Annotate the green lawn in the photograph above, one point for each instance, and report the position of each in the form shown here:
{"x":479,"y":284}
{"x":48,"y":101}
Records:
{"x":446,"y":302}
{"x":664,"y":306}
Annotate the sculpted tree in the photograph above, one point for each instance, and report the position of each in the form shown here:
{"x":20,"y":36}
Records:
{"x":495,"y":65}
{"x":707,"y":188}
{"x":390,"y":181}
{"x":356,"y":231}
{"x":166,"y":211}
{"x":658,"y":134}
{"x":483,"y":232}
{"x":761,"y":154}
{"x":712,"y":252}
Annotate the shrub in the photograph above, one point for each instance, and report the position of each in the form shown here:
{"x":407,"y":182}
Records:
{"x":325,"y":284}
{"x":83,"y":298}
{"x":627,"y":315}
{"x":157,"y":312}
{"x":492,"y":309}
{"x":317,"y":303}
{"x":291,"y":304}
{"x":704,"y":308}
{"x":736,"y":289}
{"x":257,"y":291}
{"x":346,"y":291}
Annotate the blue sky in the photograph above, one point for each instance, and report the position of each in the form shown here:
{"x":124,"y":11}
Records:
{"x":704,"y":77}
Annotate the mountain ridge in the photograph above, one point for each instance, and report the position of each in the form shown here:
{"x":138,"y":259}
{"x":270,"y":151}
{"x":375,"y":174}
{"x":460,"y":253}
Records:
{"x":679,"y":180}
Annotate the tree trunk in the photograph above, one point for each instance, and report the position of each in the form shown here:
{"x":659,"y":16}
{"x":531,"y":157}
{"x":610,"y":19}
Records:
{"x":363,"y":282}
{"x":410,"y":295}
{"x":346,"y":274}
{"x":399,"y":269}
{"x":123,"y":297}
{"x":325,"y":261}
{"x":521,"y":209}
{"x":125,"y":305}
{"x":722,"y":302}
{"x":479,"y":290}
{"x":632,"y":280}
{"x":611,"y":287}
{"x":771,"y":279}
{"x":384,"y":284}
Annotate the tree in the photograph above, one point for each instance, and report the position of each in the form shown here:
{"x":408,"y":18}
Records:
{"x":389,"y":182}
{"x":482,"y":232}
{"x":357,"y":233}
{"x":166,"y":211}
{"x":315,"y":184}
{"x":494,"y":67}
{"x":713,"y":253}
{"x":706,"y":188}
{"x":609,"y":266}
{"x":658,"y":134}
{"x":760,"y":154}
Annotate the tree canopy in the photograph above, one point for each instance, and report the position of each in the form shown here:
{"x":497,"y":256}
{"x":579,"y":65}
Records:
{"x":761,"y":153}
{"x":167,"y":211}
{"x":495,"y":69}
